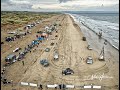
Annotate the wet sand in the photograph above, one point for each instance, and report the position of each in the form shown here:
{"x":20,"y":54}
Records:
{"x":73,"y":53}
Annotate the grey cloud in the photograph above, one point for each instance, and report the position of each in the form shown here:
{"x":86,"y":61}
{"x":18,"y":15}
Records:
{"x":102,"y":8}
{"x":4,"y":1}
{"x":64,"y":1}
{"x":15,"y":7}
{"x":8,"y":5}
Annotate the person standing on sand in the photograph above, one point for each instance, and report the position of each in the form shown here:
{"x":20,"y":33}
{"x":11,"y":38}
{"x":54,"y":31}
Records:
{"x":4,"y":81}
{"x":40,"y":87}
{"x":100,"y":33}
{"x":23,"y":63}
{"x":36,"y":36}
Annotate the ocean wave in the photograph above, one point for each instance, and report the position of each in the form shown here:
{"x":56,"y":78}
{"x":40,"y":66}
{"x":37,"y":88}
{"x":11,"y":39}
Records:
{"x":110,"y":31}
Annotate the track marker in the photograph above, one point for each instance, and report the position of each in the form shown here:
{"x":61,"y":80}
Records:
{"x":52,"y":86}
{"x":98,"y":87}
{"x":24,"y":83}
{"x":70,"y":86}
{"x":32,"y":84}
{"x":87,"y":86}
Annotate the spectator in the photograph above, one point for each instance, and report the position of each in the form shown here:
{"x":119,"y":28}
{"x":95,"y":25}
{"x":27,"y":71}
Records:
{"x":23,"y":63}
{"x":4,"y":81}
{"x":40,"y":87}
{"x":60,"y":86}
{"x":36,"y":36}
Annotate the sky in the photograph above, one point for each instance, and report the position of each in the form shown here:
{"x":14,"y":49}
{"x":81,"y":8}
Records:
{"x":60,"y":5}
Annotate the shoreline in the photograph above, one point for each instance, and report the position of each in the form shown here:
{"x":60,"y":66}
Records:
{"x":103,"y":38}
{"x":115,"y":47}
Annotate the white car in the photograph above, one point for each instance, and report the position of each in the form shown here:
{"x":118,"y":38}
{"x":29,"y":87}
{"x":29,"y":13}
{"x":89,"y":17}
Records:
{"x":89,"y":47}
{"x":56,"y":56}
{"x":101,"y":58}
{"x":89,"y":60}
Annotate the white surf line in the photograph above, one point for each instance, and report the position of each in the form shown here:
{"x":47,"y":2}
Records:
{"x":102,"y":37}
{"x":115,"y":47}
{"x":95,"y":33}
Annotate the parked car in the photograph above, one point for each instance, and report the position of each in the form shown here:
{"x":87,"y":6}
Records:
{"x":2,"y":42}
{"x":67,"y":71}
{"x":35,"y":42}
{"x":101,"y":58}
{"x":89,"y":60}
{"x":10,"y":59}
{"x":56,"y":56}
{"x":39,"y":32}
{"x":89,"y":47}
{"x":84,"y":38}
{"x":52,"y":44}
{"x":20,"y":56}
{"x":47,"y":49}
{"x":44,"y":62}
{"x":8,"y":39}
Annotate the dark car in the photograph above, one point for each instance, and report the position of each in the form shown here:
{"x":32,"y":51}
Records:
{"x":39,"y":32}
{"x":67,"y":71}
{"x":84,"y":38}
{"x":2,"y":42}
{"x":8,"y":39}
{"x":44,"y":62}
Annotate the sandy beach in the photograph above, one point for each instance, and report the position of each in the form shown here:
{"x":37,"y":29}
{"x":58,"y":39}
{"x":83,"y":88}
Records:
{"x":73,"y":53}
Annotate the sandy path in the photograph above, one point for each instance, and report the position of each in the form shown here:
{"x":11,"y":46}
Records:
{"x":73,"y":53}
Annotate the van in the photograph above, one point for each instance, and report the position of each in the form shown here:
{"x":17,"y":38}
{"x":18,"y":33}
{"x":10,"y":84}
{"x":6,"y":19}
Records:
{"x":10,"y":59}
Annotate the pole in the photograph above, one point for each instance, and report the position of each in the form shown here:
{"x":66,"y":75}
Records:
{"x":12,"y":82}
{"x":105,"y":43}
{"x":103,"y":54}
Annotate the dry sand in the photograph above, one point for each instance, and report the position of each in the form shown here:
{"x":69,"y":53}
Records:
{"x":73,"y":53}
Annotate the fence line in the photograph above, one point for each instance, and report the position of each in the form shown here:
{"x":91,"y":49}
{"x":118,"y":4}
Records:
{"x":90,"y":86}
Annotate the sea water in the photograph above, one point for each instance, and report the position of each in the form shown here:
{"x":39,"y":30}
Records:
{"x":107,"y":22}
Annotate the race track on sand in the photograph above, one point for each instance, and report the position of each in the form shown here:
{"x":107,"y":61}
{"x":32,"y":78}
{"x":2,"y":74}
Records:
{"x":72,"y":54}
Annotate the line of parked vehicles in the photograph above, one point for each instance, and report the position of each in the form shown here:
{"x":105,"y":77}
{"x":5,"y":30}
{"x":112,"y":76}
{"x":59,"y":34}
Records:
{"x":10,"y":59}
{"x":19,"y":34}
{"x":13,"y":58}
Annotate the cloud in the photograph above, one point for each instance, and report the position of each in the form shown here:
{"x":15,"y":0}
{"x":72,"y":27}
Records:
{"x":47,"y":6}
{"x":91,"y":3}
{"x":15,"y":6}
{"x":55,"y":5}
{"x":4,"y":1}
{"x":63,"y":1}
{"x":107,"y":8}
{"x":19,"y":1}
